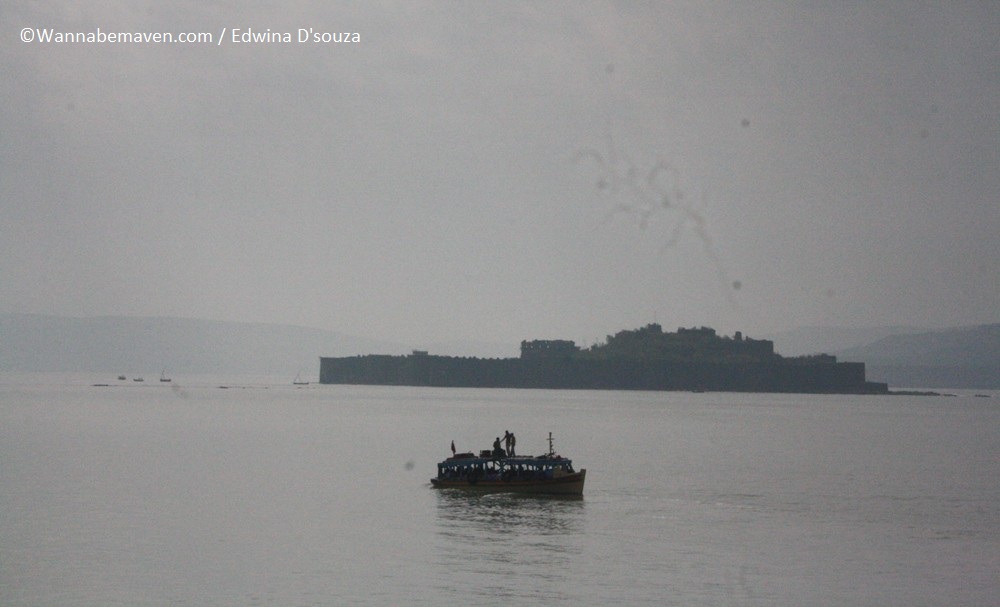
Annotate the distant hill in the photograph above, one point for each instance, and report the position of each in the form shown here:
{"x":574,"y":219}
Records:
{"x":113,"y":344}
{"x":828,"y":340}
{"x":902,"y":357}
{"x":967,"y":357}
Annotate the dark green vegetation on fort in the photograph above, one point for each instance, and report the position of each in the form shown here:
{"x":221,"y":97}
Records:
{"x":641,"y":359}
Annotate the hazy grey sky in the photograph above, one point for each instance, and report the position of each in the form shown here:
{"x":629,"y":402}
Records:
{"x":502,"y":171}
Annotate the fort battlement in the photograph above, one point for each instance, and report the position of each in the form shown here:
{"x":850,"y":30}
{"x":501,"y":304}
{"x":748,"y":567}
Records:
{"x":643,"y":359}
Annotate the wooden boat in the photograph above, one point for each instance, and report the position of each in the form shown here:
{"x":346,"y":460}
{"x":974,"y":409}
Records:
{"x":491,"y":471}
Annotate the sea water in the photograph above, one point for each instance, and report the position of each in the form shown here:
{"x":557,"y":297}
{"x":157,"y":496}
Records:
{"x":252,"y":491}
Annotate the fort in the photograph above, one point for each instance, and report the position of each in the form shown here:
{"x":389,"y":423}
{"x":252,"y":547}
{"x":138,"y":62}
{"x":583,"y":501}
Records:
{"x":647,"y":358}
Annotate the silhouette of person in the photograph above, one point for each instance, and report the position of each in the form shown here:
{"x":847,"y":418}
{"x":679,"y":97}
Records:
{"x":453,"y":448}
{"x":497,"y":449}
{"x":510,"y":449}
{"x":506,"y":441}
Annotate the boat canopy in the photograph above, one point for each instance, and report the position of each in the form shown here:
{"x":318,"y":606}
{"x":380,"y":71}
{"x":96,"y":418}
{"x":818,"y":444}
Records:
{"x":525,"y":462}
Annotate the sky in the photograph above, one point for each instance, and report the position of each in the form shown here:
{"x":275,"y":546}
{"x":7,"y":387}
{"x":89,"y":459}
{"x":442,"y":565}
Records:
{"x":500,"y":171}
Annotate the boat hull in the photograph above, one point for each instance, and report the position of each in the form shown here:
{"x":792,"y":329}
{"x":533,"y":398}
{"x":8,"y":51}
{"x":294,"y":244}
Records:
{"x":569,"y":484}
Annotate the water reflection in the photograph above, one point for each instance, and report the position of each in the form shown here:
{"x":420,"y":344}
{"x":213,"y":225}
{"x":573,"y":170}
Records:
{"x":515,"y":545}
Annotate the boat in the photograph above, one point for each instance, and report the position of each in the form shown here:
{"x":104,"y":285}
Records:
{"x":494,"y":471}
{"x":138,"y":379}
{"x":121,"y":378}
{"x":298,"y":381}
{"x":163,"y":376}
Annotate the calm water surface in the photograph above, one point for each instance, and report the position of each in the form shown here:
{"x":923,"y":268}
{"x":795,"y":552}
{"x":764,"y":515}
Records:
{"x":264,"y":493}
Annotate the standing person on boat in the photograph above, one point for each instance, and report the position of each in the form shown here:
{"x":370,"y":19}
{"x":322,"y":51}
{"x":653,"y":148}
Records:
{"x":453,"y":448}
{"x":498,"y":451}
{"x":506,"y":442}
{"x":510,"y":448}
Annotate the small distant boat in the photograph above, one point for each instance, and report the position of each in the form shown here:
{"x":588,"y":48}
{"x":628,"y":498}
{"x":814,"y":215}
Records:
{"x":163,"y":376}
{"x":298,"y":380}
{"x":493,"y":472}
{"x":137,"y":379}
{"x":122,"y":378}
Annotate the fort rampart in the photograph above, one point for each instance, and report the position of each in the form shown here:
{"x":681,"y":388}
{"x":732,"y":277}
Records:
{"x":620,"y":374}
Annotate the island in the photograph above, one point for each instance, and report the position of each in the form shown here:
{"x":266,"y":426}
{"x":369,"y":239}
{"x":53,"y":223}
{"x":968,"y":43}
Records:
{"x":695,"y":359}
